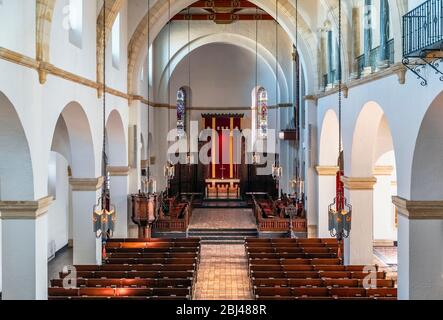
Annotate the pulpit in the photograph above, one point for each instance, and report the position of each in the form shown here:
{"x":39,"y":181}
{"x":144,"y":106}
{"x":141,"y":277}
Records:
{"x":144,"y":213}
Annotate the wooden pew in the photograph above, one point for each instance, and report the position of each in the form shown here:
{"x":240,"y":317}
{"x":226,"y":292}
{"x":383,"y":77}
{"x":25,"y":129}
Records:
{"x":156,"y":261}
{"x":136,"y":267}
{"x":126,"y":283}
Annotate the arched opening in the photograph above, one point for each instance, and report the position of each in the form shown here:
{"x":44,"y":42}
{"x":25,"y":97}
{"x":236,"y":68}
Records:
{"x":116,"y":139}
{"x":71,"y":156}
{"x":16,"y":174}
{"x":427,"y":167}
{"x":118,"y":169}
{"x":420,"y":238}
{"x":371,"y":186}
{"x":328,"y":154}
{"x":327,"y":169}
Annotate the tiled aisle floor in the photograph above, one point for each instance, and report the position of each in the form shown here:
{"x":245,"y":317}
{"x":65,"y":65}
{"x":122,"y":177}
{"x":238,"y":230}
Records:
{"x":223,"y":274}
{"x":222,"y":219}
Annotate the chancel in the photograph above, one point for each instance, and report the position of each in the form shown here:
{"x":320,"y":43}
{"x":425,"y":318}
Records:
{"x":221,"y":150}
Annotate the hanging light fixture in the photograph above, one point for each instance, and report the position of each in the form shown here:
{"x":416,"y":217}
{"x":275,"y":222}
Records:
{"x":189,"y":156}
{"x":151,"y":183}
{"x":298,"y":184}
{"x":104,"y":213}
{"x":277,"y":170}
{"x":169,"y":169}
{"x":255,"y":155}
{"x":340,"y":211}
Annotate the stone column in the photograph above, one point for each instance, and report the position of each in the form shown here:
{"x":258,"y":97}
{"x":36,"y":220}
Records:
{"x":420,"y":251}
{"x":330,"y":58}
{"x":384,"y":224}
{"x":25,"y":249}
{"x":383,"y":61}
{"x":135,"y":155}
{"x":358,"y":248}
{"x":323,"y":57}
{"x":368,"y":37}
{"x":119,"y":197}
{"x":326,"y":176}
{"x":309,"y":151}
{"x":356,"y":41}
{"x":85,"y":193}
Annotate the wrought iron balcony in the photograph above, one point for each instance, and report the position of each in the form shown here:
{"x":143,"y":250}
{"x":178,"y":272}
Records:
{"x":423,"y":29}
{"x":423,"y":39}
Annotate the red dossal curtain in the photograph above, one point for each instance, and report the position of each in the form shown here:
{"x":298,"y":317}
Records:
{"x":223,"y":167}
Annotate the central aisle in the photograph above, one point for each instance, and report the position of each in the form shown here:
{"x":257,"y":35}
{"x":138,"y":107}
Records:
{"x":223,"y":273}
{"x":222,"y":219}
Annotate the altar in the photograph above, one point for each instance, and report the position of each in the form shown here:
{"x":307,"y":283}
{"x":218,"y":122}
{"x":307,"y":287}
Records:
{"x":222,"y":176}
{"x":223,"y":189}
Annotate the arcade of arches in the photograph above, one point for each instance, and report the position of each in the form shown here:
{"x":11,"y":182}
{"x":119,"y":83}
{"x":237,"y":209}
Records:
{"x":244,"y":97}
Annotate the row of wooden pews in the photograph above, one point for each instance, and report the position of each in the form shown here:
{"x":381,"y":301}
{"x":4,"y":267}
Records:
{"x":309,"y":269}
{"x":135,"y":269}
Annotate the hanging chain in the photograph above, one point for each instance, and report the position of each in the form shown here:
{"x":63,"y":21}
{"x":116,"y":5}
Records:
{"x":189,"y":51}
{"x":277,"y":160}
{"x":169,"y":72}
{"x":104,"y":157}
{"x":256,"y":60}
{"x":149,"y":88}
{"x":340,"y":78}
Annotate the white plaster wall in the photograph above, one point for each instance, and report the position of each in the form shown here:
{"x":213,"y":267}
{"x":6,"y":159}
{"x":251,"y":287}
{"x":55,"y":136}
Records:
{"x":63,"y":53}
{"x":222,"y":76}
{"x":58,"y":213}
{"x":25,"y":268}
{"x":18,"y":26}
{"x":242,"y":34}
{"x":384,"y":217}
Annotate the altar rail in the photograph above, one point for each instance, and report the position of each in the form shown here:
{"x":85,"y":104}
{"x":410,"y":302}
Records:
{"x":168,"y":224}
{"x":277,"y":224}
{"x":282,"y":224}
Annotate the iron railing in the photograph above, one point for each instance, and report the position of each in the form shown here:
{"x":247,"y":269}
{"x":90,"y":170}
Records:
{"x":373,"y":58}
{"x":423,"y":29}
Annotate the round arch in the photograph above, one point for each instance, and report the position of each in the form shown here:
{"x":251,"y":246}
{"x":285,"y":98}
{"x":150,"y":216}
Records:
{"x":81,"y":146}
{"x":138,"y":48}
{"x":228,"y":38}
{"x":364,"y":140}
{"x":328,"y":148}
{"x":116,"y":140}
{"x":427,"y":165}
{"x":16,"y":171}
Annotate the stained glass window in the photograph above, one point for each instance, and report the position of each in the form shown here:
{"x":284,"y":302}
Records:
{"x":262,"y":112}
{"x":181,"y":112}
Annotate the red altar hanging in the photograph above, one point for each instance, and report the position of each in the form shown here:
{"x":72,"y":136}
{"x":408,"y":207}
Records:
{"x":224,"y":150}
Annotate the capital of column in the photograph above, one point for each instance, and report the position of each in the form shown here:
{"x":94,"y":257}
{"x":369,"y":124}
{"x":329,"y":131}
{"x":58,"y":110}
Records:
{"x":359,"y":183}
{"x":86,"y":184}
{"x":326,"y":170}
{"x":419,"y":210}
{"x":24,"y":210}
{"x":118,"y":171}
{"x":383,"y":170}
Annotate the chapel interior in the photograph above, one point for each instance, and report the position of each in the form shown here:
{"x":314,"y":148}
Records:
{"x":221,"y":150}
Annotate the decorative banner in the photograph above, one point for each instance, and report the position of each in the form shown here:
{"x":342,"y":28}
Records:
{"x":181,"y":112}
{"x":262,"y":113}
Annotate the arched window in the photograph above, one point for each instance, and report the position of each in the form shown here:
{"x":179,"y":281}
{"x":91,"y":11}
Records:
{"x":75,"y":22}
{"x":262,"y":112}
{"x":181,"y":112}
{"x":115,"y":38}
